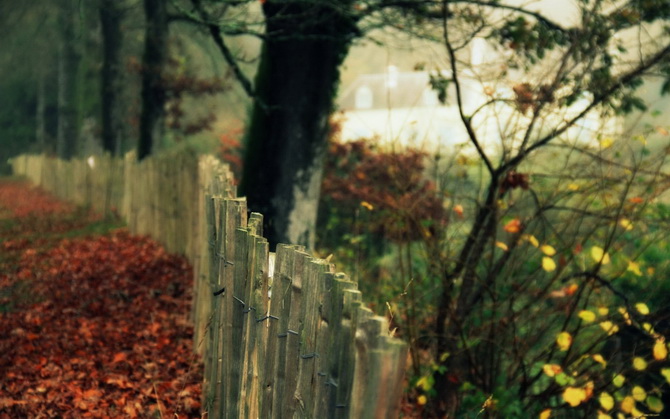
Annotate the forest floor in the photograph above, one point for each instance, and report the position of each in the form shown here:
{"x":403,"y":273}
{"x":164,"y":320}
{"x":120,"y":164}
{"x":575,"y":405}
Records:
{"x":94,"y":321}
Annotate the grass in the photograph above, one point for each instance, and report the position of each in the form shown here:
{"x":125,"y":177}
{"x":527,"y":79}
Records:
{"x":39,"y":232}
{"x":16,"y":295}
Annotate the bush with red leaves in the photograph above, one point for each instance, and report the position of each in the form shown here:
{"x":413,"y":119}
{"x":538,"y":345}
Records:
{"x":403,"y":205}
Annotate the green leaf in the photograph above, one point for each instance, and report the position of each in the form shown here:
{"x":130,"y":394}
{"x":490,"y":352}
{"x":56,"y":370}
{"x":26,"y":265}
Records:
{"x":562,"y":379}
{"x":665,"y":372}
{"x":655,"y":404}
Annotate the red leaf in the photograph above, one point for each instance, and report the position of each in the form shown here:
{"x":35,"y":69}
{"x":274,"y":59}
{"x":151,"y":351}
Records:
{"x":119,"y":357}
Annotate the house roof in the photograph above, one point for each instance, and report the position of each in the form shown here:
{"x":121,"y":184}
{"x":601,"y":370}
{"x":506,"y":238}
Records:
{"x":388,"y":90}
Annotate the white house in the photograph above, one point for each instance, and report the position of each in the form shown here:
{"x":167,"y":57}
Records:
{"x":402,"y":109}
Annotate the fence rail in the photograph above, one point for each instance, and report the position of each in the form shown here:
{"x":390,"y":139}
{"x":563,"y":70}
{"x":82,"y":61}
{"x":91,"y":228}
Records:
{"x":282,"y":335}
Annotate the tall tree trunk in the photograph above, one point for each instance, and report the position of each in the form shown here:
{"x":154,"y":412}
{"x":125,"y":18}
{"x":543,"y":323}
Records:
{"x":68,"y":66}
{"x":112,"y":75}
{"x":287,"y":136}
{"x":40,"y":112}
{"x":152,"y":118}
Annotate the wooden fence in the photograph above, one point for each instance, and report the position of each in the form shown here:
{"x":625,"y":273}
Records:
{"x":282,"y":335}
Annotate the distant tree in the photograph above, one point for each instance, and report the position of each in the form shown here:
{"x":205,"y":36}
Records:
{"x":111,"y":17}
{"x":154,"y":60}
{"x":68,"y":73}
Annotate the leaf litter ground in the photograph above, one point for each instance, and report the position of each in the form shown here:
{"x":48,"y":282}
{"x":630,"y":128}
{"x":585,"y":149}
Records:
{"x":93,"y":320}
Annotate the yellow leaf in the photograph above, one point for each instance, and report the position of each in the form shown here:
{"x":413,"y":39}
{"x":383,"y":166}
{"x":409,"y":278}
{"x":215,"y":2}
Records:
{"x":625,"y":315}
{"x":488,"y":403}
{"x":545,"y":414}
{"x":642,"y":308}
{"x":548,"y":264}
{"x":634,"y":267}
{"x":660,"y":350}
{"x":639,"y":363}
{"x":502,"y":245}
{"x":425,"y":383}
{"x":602,"y":415}
{"x":603,"y":311}
{"x":599,"y":255}
{"x":573,"y":187}
{"x":531,"y":239}
{"x":626,"y":224}
{"x":606,"y":142}
{"x":627,"y":404}
{"x":588,"y":389}
{"x":421,"y":400}
{"x":606,"y":401}
{"x":458,"y":209}
{"x":548,"y":250}
{"x":638,"y":393}
{"x":587,"y":316}
{"x":574,"y":396}
{"x":368,"y":206}
{"x":599,"y":359}
{"x":551,"y":369}
{"x":609,"y":327}
{"x":618,"y":380}
{"x":564,"y":340}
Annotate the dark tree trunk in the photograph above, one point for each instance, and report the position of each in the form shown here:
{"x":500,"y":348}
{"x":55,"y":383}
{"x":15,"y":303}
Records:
{"x":40,"y":112}
{"x":287,"y":136}
{"x":152,"y":118}
{"x":68,"y":64}
{"x":112,"y":75}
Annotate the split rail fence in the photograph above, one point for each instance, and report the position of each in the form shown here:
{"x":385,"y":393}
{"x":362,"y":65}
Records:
{"x":281,"y":334}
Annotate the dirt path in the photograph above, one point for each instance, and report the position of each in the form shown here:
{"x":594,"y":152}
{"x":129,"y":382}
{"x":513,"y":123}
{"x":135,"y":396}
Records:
{"x":93,"y":320}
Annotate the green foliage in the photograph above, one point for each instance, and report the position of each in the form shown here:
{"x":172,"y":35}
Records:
{"x":17,"y":122}
{"x":566,"y":287}
{"x":533,"y":39}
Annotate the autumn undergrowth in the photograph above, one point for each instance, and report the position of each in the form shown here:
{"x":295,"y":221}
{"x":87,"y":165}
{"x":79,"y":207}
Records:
{"x":93,"y":320}
{"x":569,"y":311}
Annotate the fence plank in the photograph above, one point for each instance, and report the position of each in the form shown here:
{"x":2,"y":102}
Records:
{"x":313,"y":290}
{"x":254,"y":339}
